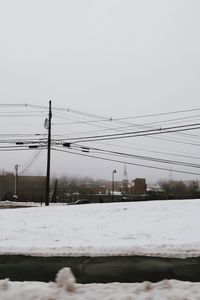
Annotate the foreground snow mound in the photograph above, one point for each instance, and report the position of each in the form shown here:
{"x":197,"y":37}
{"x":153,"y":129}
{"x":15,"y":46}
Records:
{"x":65,"y":288}
{"x":66,"y":280}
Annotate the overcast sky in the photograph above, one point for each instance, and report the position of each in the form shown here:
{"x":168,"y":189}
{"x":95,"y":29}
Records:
{"x":109,"y":58}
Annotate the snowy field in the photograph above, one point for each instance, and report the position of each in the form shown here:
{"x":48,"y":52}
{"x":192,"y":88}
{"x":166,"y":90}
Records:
{"x":66,"y":289}
{"x":157,"y":228}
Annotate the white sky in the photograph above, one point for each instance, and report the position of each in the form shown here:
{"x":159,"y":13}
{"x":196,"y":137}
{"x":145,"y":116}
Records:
{"x":107,"y":58}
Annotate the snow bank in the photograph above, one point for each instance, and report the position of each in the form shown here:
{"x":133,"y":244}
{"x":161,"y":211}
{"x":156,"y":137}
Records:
{"x":13,"y":204}
{"x":157,"y":228}
{"x":65,"y":279}
{"x":165,"y":290}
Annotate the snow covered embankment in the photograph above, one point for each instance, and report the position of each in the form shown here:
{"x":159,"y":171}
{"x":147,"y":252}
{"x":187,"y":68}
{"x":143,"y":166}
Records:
{"x":65,"y":287}
{"x":154,"y":228}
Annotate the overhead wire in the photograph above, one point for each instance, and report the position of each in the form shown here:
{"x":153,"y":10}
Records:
{"x":148,"y":132}
{"x":102,"y":119}
{"x":154,"y":151}
{"x":28,"y":164}
{"x":167,"y":161}
{"x":132,"y":156}
{"x":126,"y":118}
{"x":126,"y":162}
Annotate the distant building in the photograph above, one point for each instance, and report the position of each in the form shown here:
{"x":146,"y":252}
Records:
{"x":31,"y":188}
{"x":125,"y":187}
{"x":138,"y":186}
{"x":93,"y":188}
{"x":7,"y":185}
{"x":154,"y":188}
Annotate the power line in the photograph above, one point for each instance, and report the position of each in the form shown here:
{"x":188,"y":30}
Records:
{"x":101,"y":118}
{"x":133,"y":156}
{"x":147,"y":132}
{"x":126,"y":162}
{"x":136,"y":125}
{"x":31,"y":161}
{"x":125,"y":118}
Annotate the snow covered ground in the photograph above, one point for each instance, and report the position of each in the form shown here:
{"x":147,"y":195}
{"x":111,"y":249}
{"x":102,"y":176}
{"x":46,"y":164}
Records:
{"x":12,"y":204}
{"x":156,"y":228}
{"x":164,"y":290}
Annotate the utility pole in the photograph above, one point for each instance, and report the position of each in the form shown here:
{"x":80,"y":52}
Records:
{"x":48,"y":157}
{"x":16,"y":180}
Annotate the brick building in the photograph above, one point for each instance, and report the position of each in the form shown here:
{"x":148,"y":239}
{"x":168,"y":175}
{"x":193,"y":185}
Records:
{"x":138,"y":186}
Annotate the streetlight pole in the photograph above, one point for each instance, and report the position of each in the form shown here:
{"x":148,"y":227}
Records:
{"x":48,"y":157}
{"x":113,"y":184}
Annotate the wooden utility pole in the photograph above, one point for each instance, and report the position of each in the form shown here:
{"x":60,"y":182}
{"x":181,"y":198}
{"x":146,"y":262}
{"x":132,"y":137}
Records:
{"x":48,"y":157}
{"x":16,"y":180}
